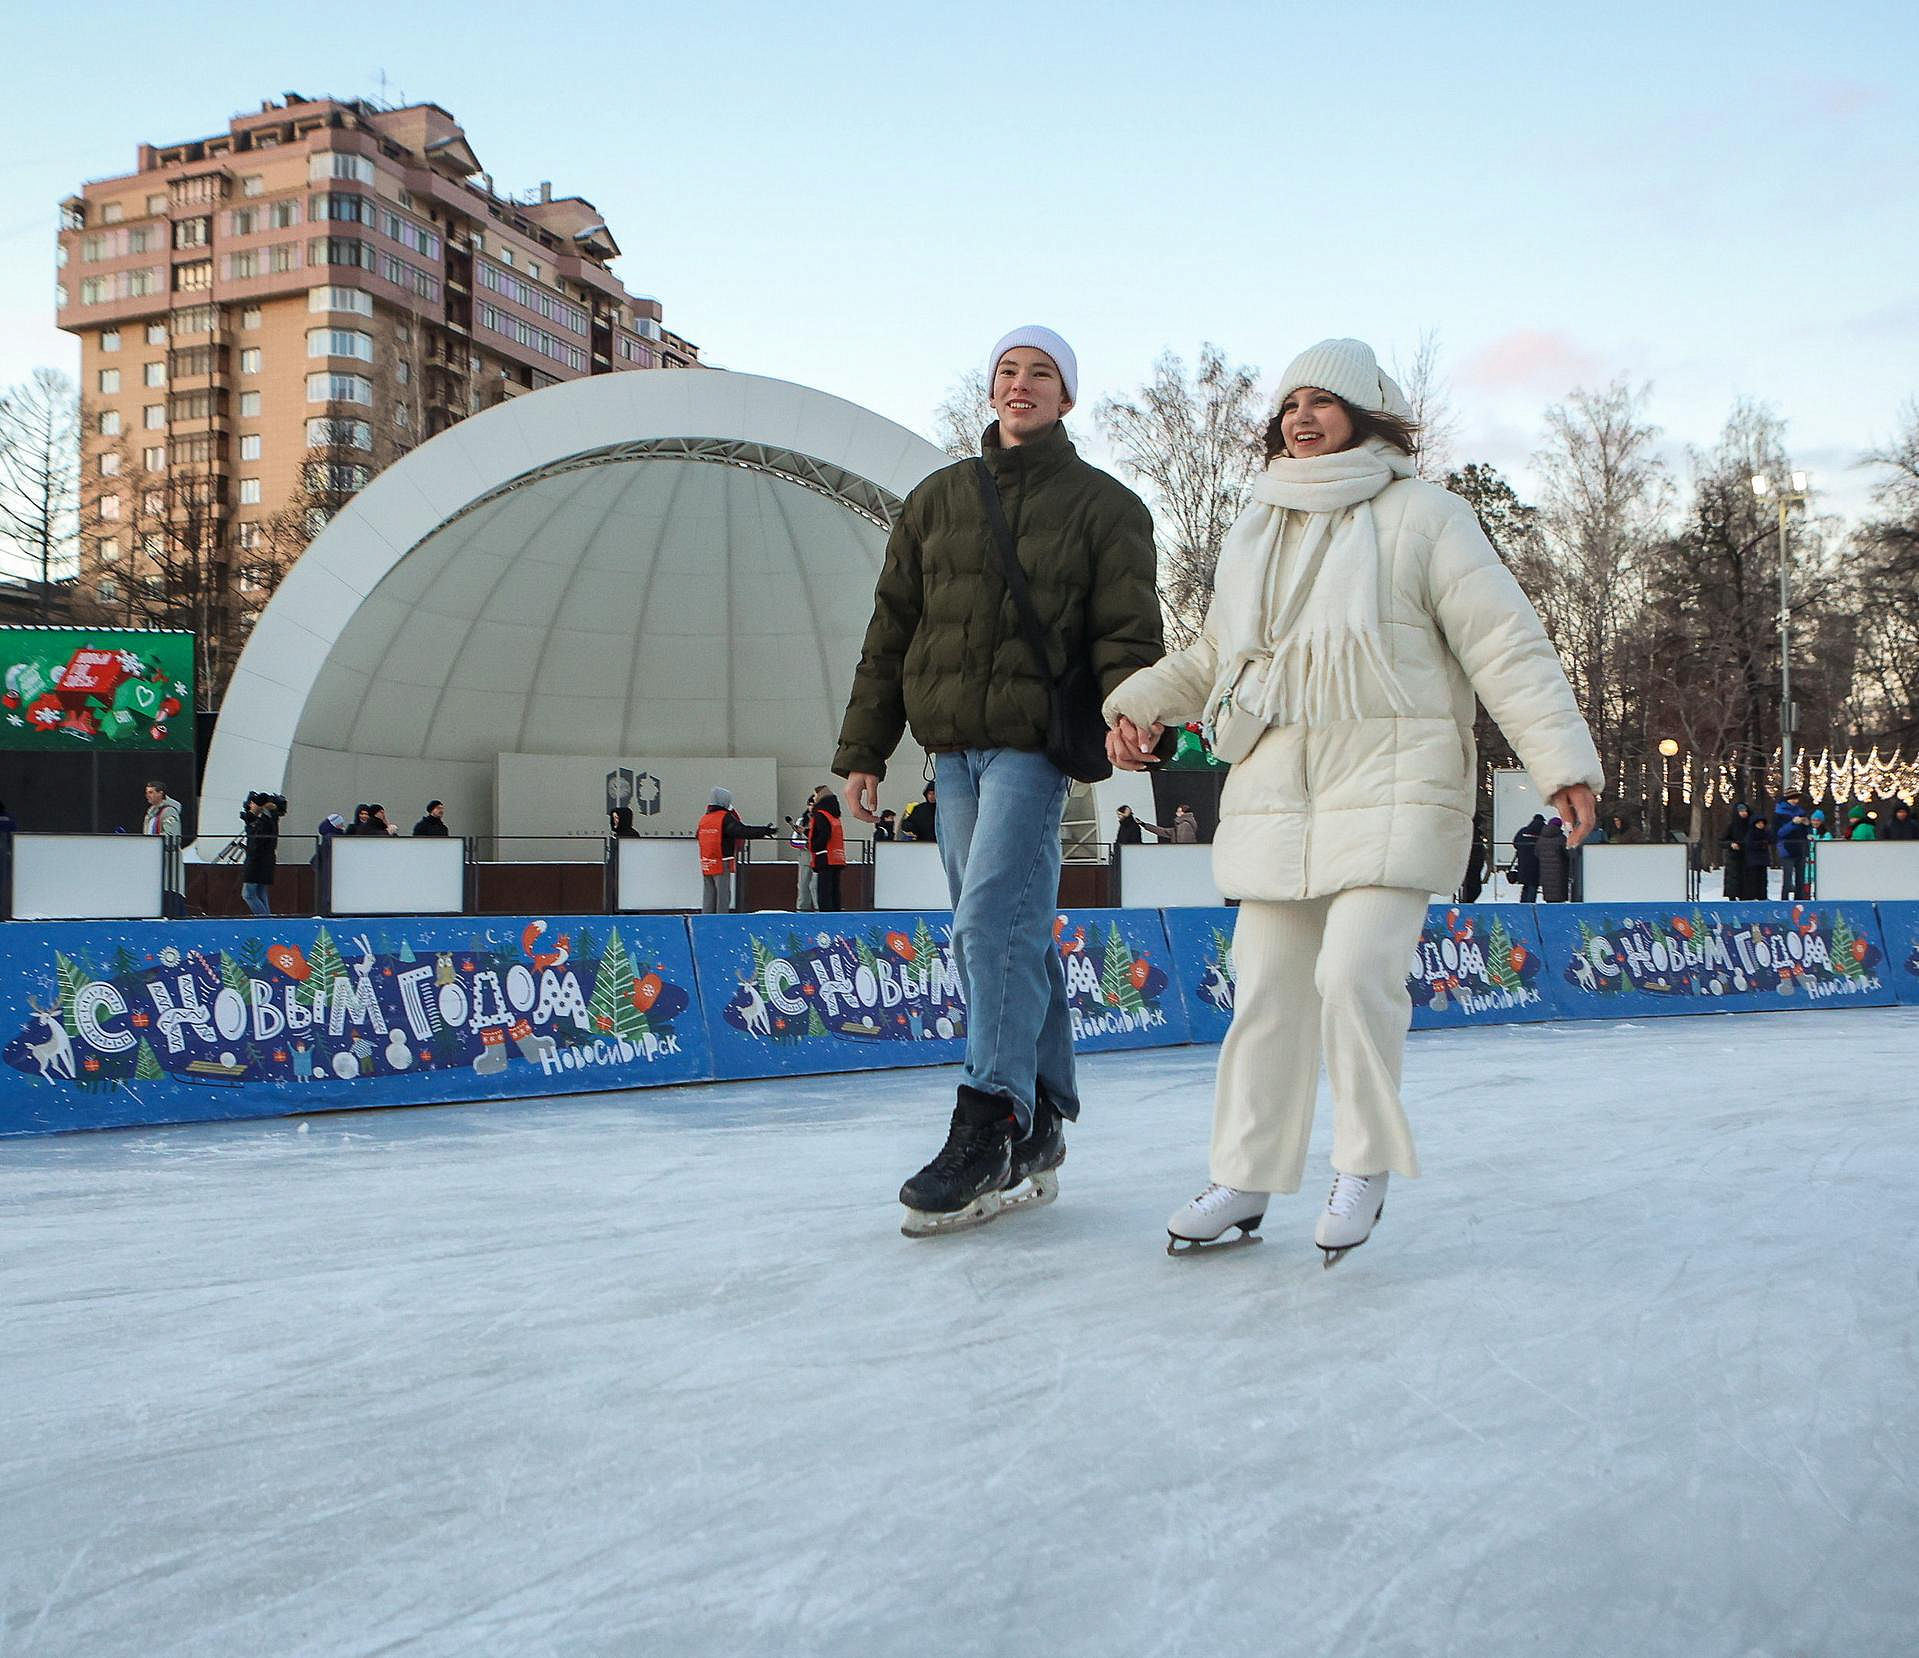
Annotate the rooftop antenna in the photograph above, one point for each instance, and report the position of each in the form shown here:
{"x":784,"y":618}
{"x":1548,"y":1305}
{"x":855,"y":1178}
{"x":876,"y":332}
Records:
{"x":384,"y":104}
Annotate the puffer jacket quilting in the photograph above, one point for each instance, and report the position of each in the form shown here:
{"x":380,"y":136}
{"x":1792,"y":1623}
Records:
{"x":1387,"y":799}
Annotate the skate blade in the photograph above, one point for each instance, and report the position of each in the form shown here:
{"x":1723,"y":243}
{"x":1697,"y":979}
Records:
{"x":1335,"y":1253}
{"x":1039,"y":1188}
{"x":1177,"y":1246}
{"x":923,"y":1223}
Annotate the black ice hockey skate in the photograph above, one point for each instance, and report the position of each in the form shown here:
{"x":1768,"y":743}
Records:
{"x":961,"y":1187}
{"x":1036,"y":1160}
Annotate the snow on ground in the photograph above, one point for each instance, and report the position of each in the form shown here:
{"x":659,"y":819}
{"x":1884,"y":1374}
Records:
{"x":1631,"y":1371}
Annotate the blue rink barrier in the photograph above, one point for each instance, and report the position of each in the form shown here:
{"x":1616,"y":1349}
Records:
{"x":1899,"y":928}
{"x":1614,"y":960}
{"x":114,"y":1024}
{"x":790,"y":995}
{"x":106,"y":1024}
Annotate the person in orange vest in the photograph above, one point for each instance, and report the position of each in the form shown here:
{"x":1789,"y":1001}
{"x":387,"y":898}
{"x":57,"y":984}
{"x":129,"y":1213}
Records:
{"x":826,"y":844}
{"x":720,"y":833}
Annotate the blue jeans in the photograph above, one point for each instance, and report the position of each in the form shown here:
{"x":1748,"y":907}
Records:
{"x":999,"y":841}
{"x":255,"y":894}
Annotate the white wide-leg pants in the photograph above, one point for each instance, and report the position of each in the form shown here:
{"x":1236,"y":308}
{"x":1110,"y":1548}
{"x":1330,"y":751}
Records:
{"x":1318,"y":974}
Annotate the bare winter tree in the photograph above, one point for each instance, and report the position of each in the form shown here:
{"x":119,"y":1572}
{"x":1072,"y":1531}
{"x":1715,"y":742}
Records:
{"x":1193,"y":443}
{"x":40,"y":479}
{"x":1886,"y":566}
{"x":1430,"y":394}
{"x":963,"y":416}
{"x":1606,"y":492}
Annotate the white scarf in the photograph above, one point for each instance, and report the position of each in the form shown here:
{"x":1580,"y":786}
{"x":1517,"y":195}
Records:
{"x":1314,"y":648}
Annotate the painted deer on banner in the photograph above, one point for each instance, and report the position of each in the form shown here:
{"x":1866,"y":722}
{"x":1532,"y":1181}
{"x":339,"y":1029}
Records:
{"x":53,"y":1053}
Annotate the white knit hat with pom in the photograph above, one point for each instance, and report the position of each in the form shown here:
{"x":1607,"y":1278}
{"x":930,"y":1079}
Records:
{"x":1348,"y":369}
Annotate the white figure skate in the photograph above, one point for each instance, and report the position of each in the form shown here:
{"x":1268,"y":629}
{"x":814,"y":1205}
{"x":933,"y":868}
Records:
{"x":1217,"y":1210}
{"x":1353,"y":1208}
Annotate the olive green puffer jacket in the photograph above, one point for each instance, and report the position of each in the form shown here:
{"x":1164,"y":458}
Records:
{"x":945,"y":651}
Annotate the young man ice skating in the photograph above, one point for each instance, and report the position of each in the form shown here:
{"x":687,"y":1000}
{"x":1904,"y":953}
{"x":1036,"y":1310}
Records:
{"x":1357,"y":612}
{"x":979,"y":703}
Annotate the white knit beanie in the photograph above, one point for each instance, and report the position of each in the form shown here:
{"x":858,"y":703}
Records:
{"x":1348,"y":369}
{"x":1040,"y":339}
{"x":721,"y":799}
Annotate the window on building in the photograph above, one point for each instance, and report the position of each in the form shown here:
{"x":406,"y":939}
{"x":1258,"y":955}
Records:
{"x":242,"y":265}
{"x":250,"y":317}
{"x":250,"y":360}
{"x":139,"y":284}
{"x":506,"y":256}
{"x":110,"y":339}
{"x":153,"y":504}
{"x":156,"y":205}
{"x":95,"y":290}
{"x":139,"y":240}
{"x":249,"y":536}
{"x":193,"y":319}
{"x":403,"y":372}
{"x":330,"y":298}
{"x":284,"y":215}
{"x":109,"y":549}
{"x":109,"y":381}
{"x":249,"y":492}
{"x":283,"y":257}
{"x":243,"y":221}
{"x":192,"y":233}
{"x":111,"y":214}
{"x":339,"y":388}
{"x":337,"y":164}
{"x":254,"y":184}
{"x":401,"y":418}
{"x":340,"y":342}
{"x":155,"y":373}
{"x":156,"y":333}
{"x":193,"y":278}
{"x":250,"y":446}
{"x":249,"y":405}
{"x":154,"y":417}
{"x":533,"y":269}
{"x":109,"y":506}
{"x":108,"y":589}
{"x":109,"y":423}
{"x":326,"y":432}
{"x":154,"y":459}
{"x":110,"y":464}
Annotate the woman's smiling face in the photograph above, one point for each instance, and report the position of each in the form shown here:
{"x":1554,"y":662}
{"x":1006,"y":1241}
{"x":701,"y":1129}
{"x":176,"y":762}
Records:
{"x":1314,"y":422}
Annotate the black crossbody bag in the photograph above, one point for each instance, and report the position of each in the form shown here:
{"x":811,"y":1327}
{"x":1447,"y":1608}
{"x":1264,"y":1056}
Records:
{"x":1075,"y":728}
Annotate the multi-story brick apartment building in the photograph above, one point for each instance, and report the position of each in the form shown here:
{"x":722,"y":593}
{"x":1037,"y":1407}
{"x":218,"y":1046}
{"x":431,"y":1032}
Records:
{"x":270,"y":315}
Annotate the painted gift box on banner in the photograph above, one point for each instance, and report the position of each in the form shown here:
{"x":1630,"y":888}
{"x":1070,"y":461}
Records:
{"x":1474,"y":964}
{"x":1652,"y":958}
{"x":1899,"y":926}
{"x":107,"y":1024}
{"x":798,"y":994}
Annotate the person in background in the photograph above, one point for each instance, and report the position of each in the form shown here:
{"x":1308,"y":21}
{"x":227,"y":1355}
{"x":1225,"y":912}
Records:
{"x":619,"y":823}
{"x":1791,"y":838}
{"x":1859,"y":825}
{"x":1901,"y":827}
{"x":1130,"y":831}
{"x":380,"y":826}
{"x":1526,"y":858}
{"x":922,"y":822}
{"x":433,"y":823}
{"x":1758,"y":855}
{"x":1619,"y":832}
{"x":886,"y":828}
{"x":7,"y":827}
{"x":1185,"y":827}
{"x":1740,"y":828}
{"x":362,"y":823}
{"x":807,"y":896}
{"x":323,"y":831}
{"x":163,"y":819}
{"x":1555,"y":866}
{"x":261,"y":815}
{"x":1475,"y":881}
{"x":826,"y":847}
{"x":720,"y":834}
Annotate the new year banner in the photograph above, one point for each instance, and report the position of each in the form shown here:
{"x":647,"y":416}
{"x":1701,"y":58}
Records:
{"x":863,"y":990}
{"x":1477,"y":964}
{"x":1652,"y":958}
{"x":118,"y":688}
{"x":113,"y":1023}
{"x":1899,"y":926}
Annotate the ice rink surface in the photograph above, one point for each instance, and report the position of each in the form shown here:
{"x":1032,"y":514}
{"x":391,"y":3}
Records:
{"x":1630,"y":1371}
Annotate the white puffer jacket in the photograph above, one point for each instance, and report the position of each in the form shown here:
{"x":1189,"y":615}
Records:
{"x":1387,"y":800}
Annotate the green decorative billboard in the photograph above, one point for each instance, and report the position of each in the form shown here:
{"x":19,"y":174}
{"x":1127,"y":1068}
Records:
{"x":125,"y":689}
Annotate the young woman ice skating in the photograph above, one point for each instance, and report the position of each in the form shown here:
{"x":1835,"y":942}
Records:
{"x":1356,"y":613}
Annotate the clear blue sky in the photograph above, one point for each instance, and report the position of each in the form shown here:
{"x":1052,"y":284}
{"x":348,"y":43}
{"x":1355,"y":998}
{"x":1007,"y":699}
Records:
{"x":1714,"y":198}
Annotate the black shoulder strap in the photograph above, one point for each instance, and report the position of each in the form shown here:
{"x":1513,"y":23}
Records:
{"x":1010,"y":568}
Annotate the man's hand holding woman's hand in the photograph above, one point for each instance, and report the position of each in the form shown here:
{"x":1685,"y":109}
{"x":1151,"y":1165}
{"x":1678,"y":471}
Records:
{"x":1130,"y":747}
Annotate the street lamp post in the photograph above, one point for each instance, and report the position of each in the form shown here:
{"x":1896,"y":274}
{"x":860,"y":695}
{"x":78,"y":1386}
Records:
{"x":1792,"y":494}
{"x":1667,"y":749}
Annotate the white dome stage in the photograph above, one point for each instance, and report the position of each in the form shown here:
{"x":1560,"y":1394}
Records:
{"x":629,"y":569}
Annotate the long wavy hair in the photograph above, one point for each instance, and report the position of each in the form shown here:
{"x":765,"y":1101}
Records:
{"x":1367,"y":423}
